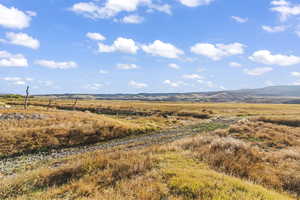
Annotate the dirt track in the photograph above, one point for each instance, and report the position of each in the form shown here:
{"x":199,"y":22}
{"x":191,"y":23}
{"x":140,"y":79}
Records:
{"x":13,"y":165}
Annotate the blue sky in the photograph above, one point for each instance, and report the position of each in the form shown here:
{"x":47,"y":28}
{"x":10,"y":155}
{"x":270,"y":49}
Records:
{"x":131,"y":46}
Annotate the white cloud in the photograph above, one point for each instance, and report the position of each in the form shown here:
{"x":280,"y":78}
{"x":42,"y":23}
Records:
{"x":239,"y":19}
{"x":123,"y":45}
{"x":285,"y":9}
{"x":274,"y":29}
{"x":174,"y":66}
{"x":111,"y":8}
{"x":218,"y":51}
{"x":235,"y":64}
{"x":165,"y":8}
{"x":173,"y":83}
{"x":137,"y":84}
{"x":258,"y":71}
{"x":280,"y":3}
{"x":12,"y":60}
{"x":13,"y":18}
{"x":297,"y":74}
{"x":127,"y":66}
{"x":195,"y":3}
{"x":192,"y":76}
{"x":266,"y":57}
{"x":159,"y":48}
{"x":132,"y":19}
{"x":22,"y":39}
{"x":87,"y":9}
{"x":101,"y":71}
{"x":56,"y":65}
{"x":95,"y":36}
{"x":17,"y":80}
{"x":94,"y":86}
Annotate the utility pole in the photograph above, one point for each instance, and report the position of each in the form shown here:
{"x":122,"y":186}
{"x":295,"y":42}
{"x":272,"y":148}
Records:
{"x":26,"y":98}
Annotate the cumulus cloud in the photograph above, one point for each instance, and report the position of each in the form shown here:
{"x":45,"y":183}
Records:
{"x":174,"y":83}
{"x":218,"y":51}
{"x":159,"y":48}
{"x":195,"y":3}
{"x":137,"y":84}
{"x":274,"y":29}
{"x":14,"y":18}
{"x":285,"y":9}
{"x":111,"y":8}
{"x":132,"y":19}
{"x":17,"y":80}
{"x":95,"y":36}
{"x":235,"y":64}
{"x":56,"y":65}
{"x":12,"y":60}
{"x":127,"y":66}
{"x":266,"y":57}
{"x":258,"y":71}
{"x":123,"y":45}
{"x":192,"y":76}
{"x":174,"y":66}
{"x":239,"y":19}
{"x":22,"y":39}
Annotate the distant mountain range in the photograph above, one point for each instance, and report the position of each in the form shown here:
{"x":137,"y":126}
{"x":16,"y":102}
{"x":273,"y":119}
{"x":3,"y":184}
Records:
{"x":272,"y":94}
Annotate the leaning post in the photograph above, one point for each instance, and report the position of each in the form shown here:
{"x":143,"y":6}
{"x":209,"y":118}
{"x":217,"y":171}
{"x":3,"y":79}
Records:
{"x":26,"y":98}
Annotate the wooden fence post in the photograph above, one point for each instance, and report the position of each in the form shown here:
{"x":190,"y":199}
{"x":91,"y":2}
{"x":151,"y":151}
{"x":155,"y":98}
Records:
{"x":26,"y":98}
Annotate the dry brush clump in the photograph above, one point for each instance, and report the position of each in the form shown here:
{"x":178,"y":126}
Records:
{"x":83,"y":176}
{"x":265,"y":153}
{"x":60,"y":128}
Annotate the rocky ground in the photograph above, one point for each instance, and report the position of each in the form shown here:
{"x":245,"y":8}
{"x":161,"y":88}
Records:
{"x":21,"y":116}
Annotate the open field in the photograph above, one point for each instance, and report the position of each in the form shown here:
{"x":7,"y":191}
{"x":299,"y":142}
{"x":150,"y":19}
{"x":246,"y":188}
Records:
{"x":200,"y":110}
{"x":153,"y":152}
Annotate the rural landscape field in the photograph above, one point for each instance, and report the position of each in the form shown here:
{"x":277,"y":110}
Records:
{"x":148,"y":150}
{"x":149,"y":100}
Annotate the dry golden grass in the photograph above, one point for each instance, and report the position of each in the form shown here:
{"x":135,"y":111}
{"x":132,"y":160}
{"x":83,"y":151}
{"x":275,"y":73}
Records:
{"x":150,"y":174}
{"x":224,"y":164}
{"x":149,"y":108}
{"x":82,"y":176}
{"x":265,"y":153}
{"x":61,"y":128}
